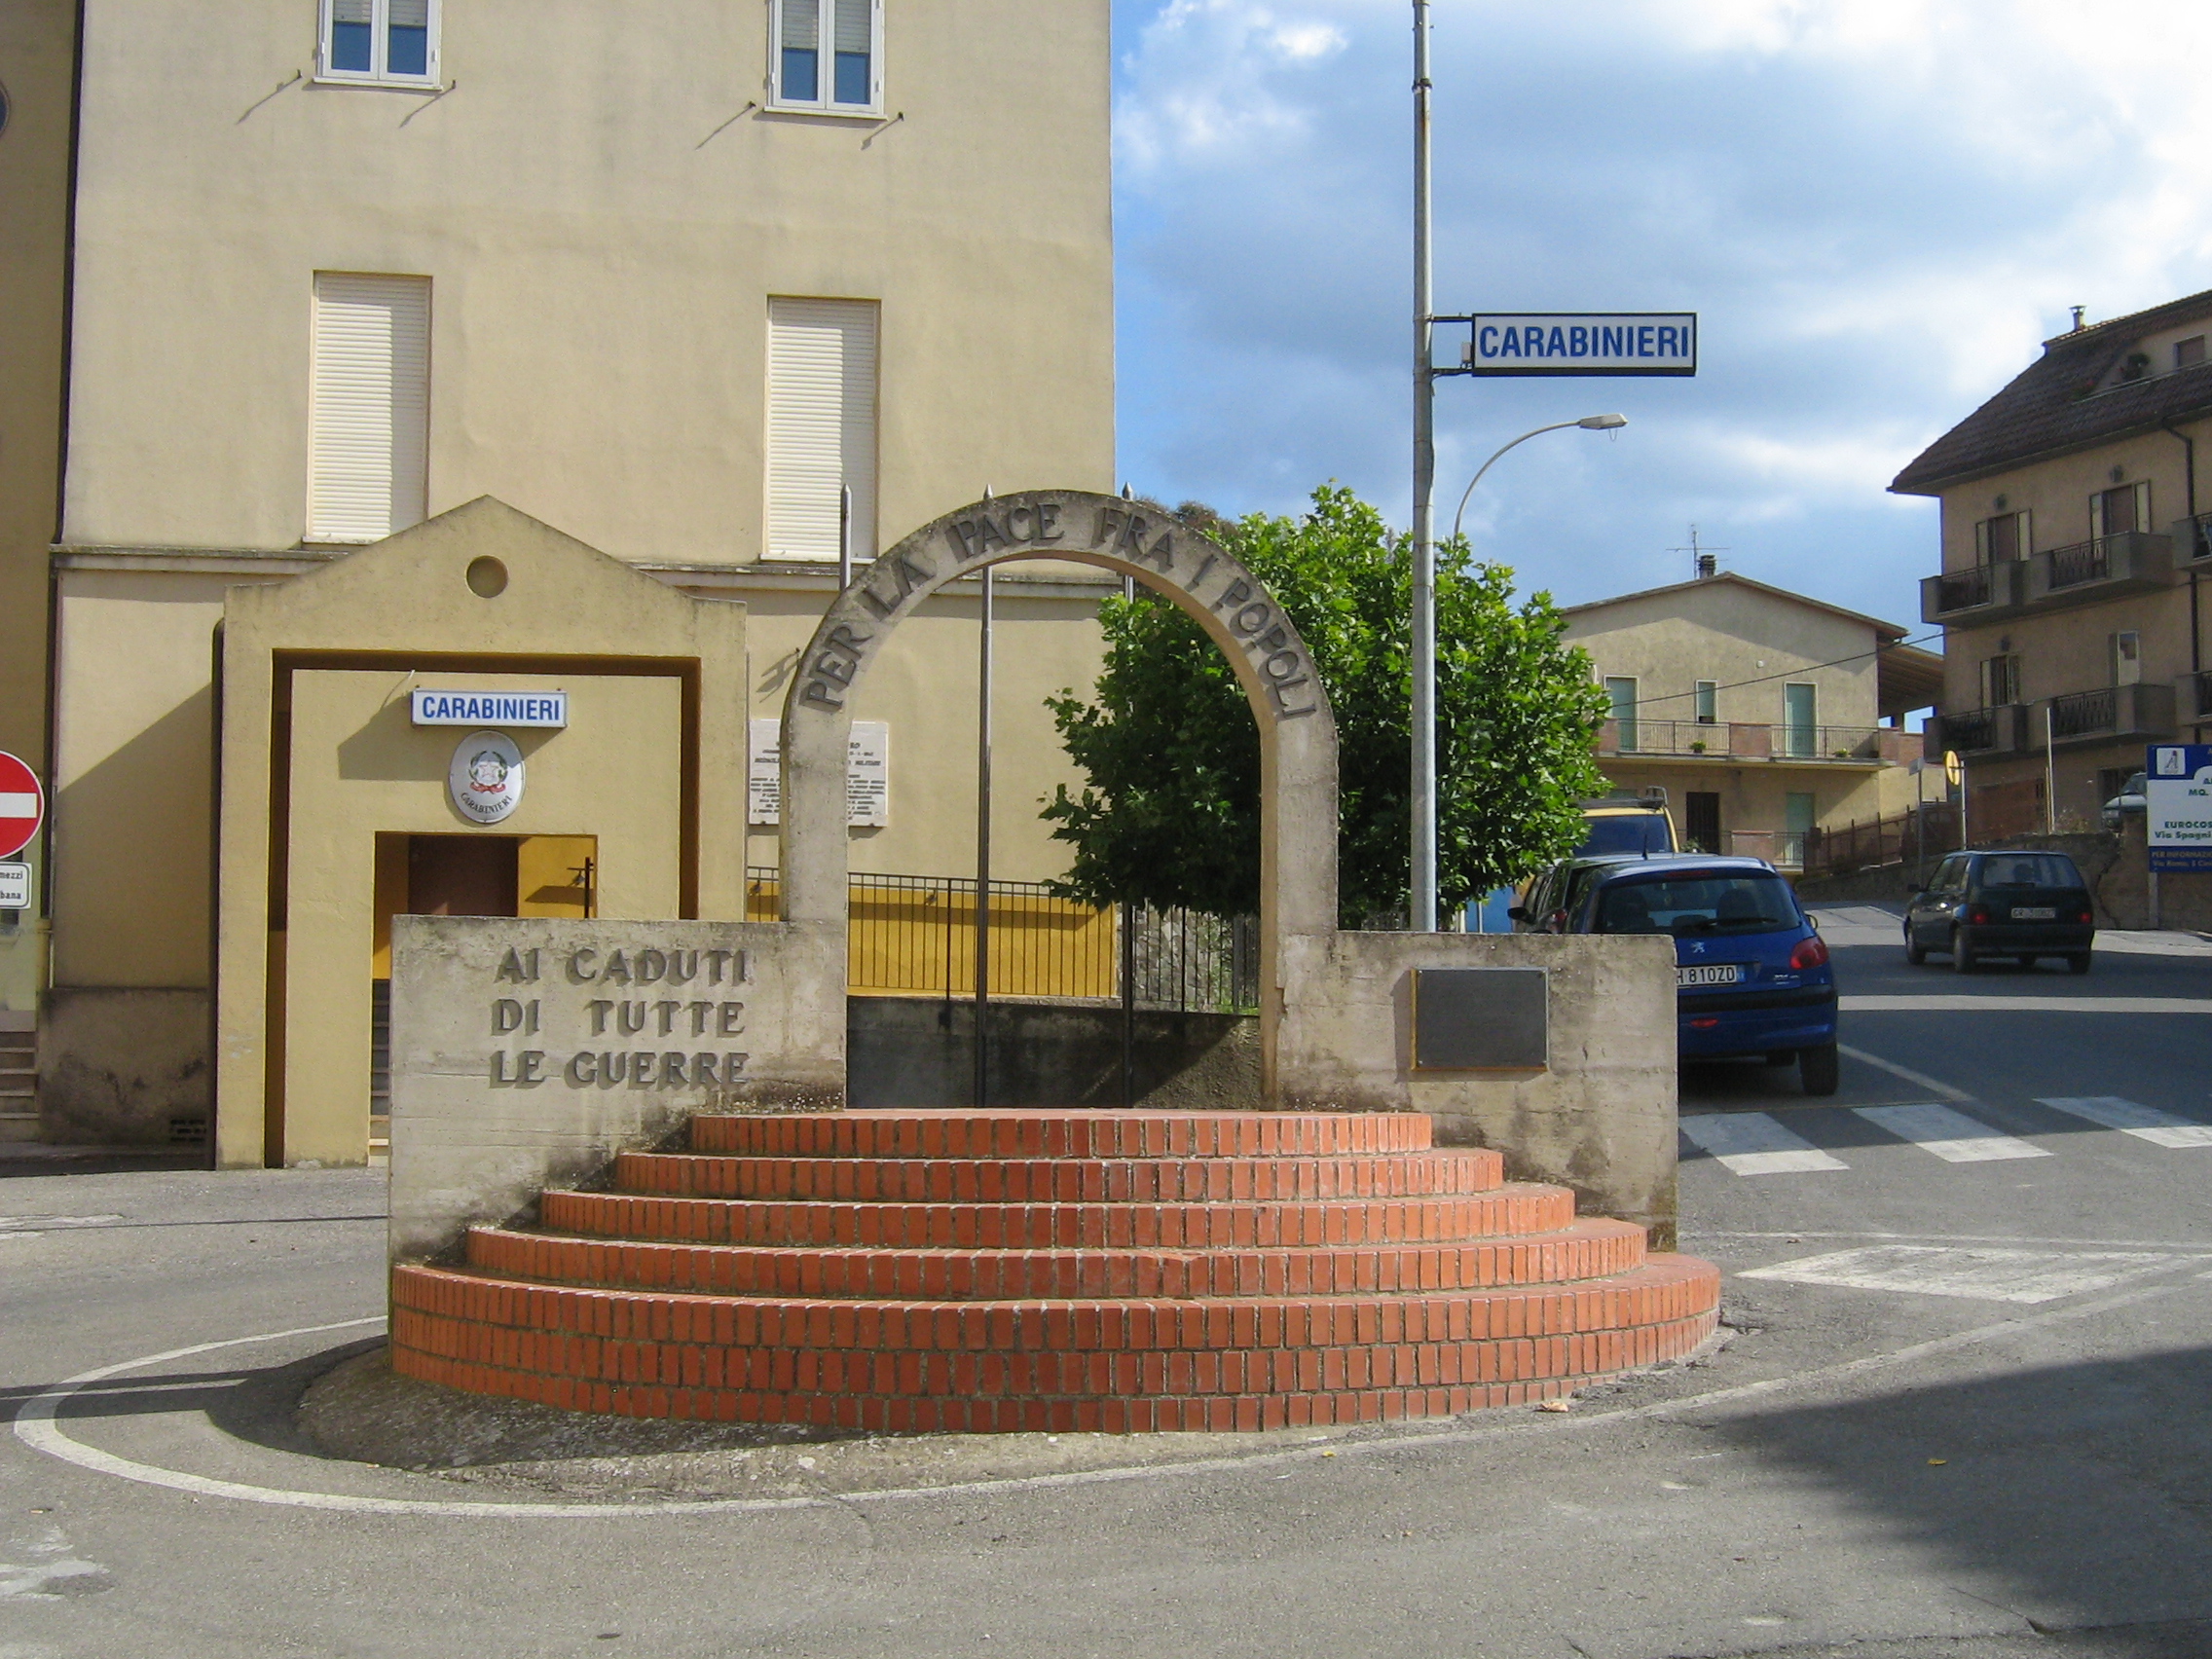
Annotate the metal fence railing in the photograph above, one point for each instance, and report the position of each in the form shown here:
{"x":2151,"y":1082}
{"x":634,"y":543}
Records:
{"x":1907,"y":838}
{"x":1739,"y":740}
{"x":916,"y":935}
{"x":2084,"y":712}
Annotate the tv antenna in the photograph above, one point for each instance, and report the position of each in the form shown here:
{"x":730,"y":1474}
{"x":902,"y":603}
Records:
{"x":1704,"y":560}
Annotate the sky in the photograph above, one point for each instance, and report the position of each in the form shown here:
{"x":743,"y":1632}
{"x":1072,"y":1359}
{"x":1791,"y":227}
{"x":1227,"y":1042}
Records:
{"x":1878,"y":209}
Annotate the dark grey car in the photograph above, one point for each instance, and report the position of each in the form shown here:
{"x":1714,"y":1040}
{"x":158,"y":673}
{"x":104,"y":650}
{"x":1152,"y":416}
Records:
{"x":2021,"y":905}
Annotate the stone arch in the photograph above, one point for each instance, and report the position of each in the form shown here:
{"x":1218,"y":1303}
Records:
{"x":1298,"y":734}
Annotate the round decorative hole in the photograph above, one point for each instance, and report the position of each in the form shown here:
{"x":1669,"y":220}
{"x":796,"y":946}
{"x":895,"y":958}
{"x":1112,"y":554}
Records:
{"x":487,"y":578}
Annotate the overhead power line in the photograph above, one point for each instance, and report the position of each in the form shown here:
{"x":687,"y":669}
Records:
{"x":1807,"y":667}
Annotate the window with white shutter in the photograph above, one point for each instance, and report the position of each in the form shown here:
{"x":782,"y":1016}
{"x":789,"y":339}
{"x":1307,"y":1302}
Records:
{"x":822,"y":382}
{"x":381,"y":41}
{"x":369,"y":406}
{"x":827,"y":56}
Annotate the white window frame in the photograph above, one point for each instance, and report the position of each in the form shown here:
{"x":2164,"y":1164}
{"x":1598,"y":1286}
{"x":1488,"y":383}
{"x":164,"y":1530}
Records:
{"x":825,"y":68}
{"x":1707,"y":698}
{"x":380,"y":43}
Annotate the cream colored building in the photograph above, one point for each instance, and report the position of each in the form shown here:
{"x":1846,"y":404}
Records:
{"x":1761,"y":712}
{"x":666,"y":283}
{"x":2073,"y":546}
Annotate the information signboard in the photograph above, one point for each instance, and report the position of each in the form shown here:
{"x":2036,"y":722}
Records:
{"x":1579,"y":343}
{"x":2177,"y":807}
{"x":14,"y":886}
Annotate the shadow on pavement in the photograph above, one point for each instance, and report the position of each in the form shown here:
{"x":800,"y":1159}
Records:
{"x":2076,"y":1497}
{"x":257,"y":1404}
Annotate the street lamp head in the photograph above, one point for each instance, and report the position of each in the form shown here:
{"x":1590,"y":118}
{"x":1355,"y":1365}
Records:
{"x":1603,"y":423}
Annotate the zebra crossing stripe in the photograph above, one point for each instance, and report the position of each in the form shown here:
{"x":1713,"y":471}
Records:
{"x":1752,"y":1143}
{"x":1950,"y":1135}
{"x":2143,"y":1122}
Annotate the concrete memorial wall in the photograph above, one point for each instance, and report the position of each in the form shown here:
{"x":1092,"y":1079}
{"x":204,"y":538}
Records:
{"x":529,"y":1052}
{"x":522,"y":1056}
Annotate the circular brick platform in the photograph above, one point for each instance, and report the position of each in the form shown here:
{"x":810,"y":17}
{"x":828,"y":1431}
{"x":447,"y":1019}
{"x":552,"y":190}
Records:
{"x":1062,"y":1271}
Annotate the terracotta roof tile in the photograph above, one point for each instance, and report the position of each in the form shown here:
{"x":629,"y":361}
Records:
{"x":2053,"y":406}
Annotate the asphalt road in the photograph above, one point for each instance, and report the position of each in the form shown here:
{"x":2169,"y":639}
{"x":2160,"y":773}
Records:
{"x":1964,"y":1411}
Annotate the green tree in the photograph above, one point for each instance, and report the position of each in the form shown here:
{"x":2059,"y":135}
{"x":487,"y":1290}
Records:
{"x":1170,"y":810}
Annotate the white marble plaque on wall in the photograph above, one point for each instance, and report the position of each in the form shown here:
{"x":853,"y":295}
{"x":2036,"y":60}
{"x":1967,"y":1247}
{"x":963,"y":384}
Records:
{"x":868,"y":775}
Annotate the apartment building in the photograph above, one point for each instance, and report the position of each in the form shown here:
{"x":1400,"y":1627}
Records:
{"x":1761,"y":712}
{"x":310,"y":309}
{"x":2072,"y":556}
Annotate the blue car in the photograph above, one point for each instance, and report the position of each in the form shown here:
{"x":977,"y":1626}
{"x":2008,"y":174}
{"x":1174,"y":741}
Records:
{"x":1751,"y":974}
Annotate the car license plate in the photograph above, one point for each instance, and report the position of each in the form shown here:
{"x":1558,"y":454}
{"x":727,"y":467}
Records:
{"x":2034,"y":913}
{"x":1717,"y":974}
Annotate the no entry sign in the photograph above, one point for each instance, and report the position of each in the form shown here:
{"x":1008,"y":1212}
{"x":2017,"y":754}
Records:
{"x":22,"y":805}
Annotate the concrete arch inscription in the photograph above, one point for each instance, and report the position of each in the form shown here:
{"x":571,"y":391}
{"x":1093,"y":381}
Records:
{"x":1297,"y":745}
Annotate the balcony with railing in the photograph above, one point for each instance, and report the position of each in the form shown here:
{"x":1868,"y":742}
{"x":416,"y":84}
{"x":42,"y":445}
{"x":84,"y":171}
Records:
{"x":2100,"y":567}
{"x":2109,"y":712}
{"x":1978,"y":593}
{"x":1739,"y":741}
{"x":1995,"y":730}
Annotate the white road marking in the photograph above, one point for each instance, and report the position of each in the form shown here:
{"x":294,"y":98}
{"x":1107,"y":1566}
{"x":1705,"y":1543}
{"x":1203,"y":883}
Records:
{"x":1800,"y":1236}
{"x":52,"y":1441}
{"x":2146,"y":944}
{"x":2143,"y":1122}
{"x":1751,"y":1143}
{"x":1985,"y":1275}
{"x":1952,"y":1003}
{"x":14,"y":1223}
{"x":59,"y":1572}
{"x":1919,"y":1079}
{"x":1952,"y":1136}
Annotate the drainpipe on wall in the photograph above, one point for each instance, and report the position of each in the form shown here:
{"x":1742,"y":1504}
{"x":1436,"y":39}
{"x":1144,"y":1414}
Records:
{"x":2195,"y":639}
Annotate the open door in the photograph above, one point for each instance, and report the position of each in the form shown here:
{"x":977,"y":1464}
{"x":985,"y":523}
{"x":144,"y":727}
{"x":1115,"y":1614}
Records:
{"x":462,"y":875}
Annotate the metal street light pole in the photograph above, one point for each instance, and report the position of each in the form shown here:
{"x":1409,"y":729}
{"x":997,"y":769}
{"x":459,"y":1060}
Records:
{"x":1423,"y":909}
{"x":1589,"y":423}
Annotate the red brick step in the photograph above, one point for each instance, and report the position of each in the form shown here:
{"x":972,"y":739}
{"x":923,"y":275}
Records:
{"x":1082,"y":1269}
{"x":1511,"y":1211}
{"x":1060,"y":1180}
{"x":963,"y":1132}
{"x":1589,"y":1249}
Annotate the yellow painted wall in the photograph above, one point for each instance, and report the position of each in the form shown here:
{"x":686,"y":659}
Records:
{"x":35,"y":58}
{"x":411,"y":594}
{"x":36,"y":55}
{"x":361,"y":768}
{"x":603,"y":223}
{"x":134,"y":776}
{"x":2068,"y":648}
{"x":1753,"y":642}
{"x":924,"y":685}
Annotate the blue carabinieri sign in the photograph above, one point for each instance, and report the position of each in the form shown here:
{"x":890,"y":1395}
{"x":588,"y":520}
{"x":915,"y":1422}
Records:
{"x":1579,"y":343}
{"x":491,"y":708}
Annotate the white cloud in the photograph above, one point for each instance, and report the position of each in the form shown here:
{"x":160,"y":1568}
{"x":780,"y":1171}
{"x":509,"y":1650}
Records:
{"x":1880,"y":207}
